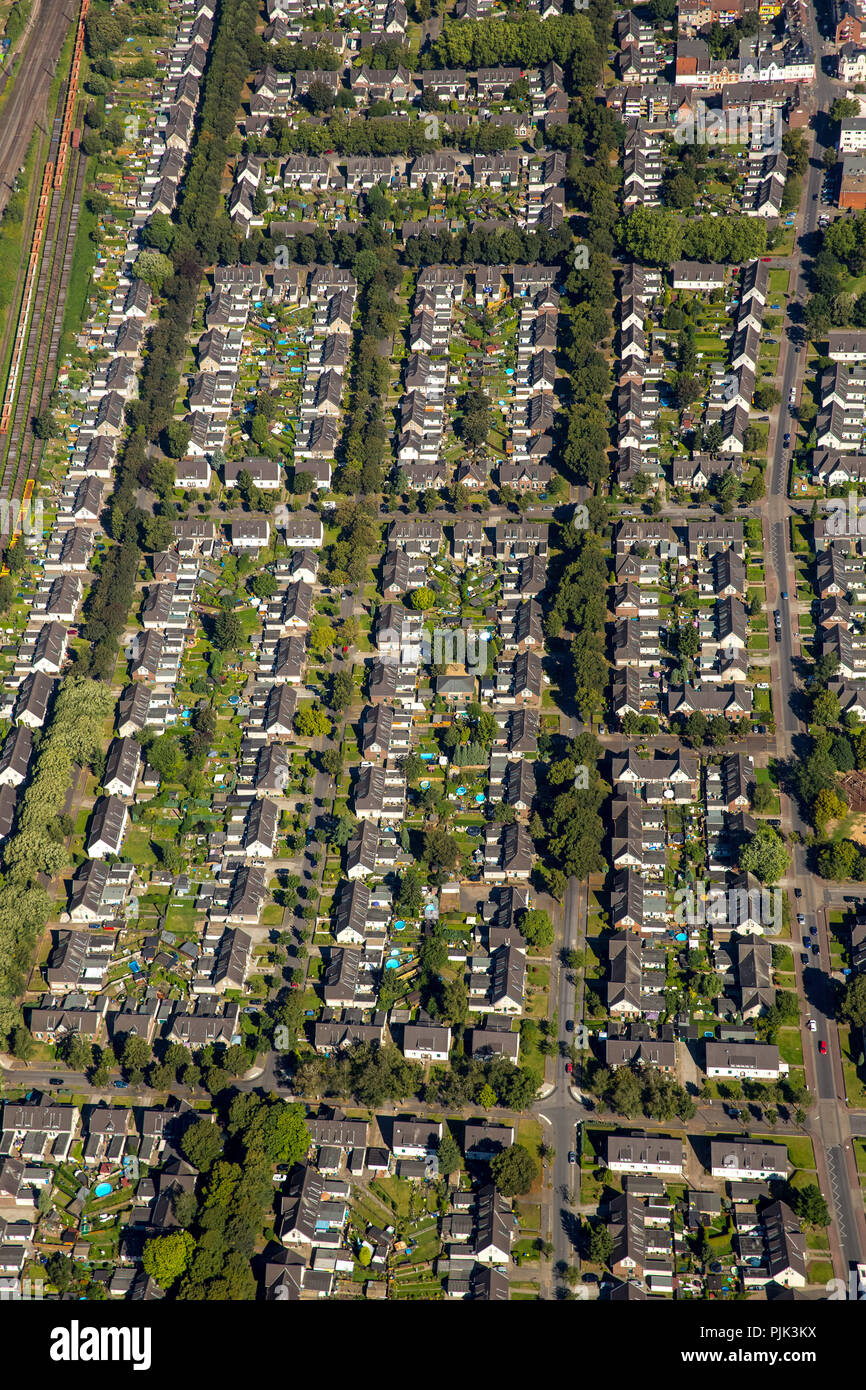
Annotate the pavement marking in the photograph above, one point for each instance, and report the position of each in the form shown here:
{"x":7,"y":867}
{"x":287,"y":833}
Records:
{"x":835,"y":1188}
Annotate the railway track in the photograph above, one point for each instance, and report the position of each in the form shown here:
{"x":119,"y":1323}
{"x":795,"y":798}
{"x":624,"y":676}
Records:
{"x":37,"y":342}
{"x":25,"y":104}
{"x":24,"y":450}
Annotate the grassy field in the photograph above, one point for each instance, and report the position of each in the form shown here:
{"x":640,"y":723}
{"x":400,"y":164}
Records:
{"x":83,"y":261}
{"x":15,"y":231}
{"x":801,"y":1153}
{"x":394,"y":1192}
{"x":854,"y":1087}
{"x":791,"y":1047}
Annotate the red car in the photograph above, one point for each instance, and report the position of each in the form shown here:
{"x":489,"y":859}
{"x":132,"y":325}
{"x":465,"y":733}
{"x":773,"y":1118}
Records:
{"x":822,"y":1048}
{"x":569,"y":1068}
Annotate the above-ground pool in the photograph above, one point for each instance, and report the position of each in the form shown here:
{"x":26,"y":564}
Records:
{"x":391,"y":964}
{"x":102,"y":1189}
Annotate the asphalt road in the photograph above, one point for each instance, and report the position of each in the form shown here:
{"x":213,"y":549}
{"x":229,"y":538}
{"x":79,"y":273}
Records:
{"x":828,"y":1120}
{"x":25,"y":105}
{"x":559,"y":1110}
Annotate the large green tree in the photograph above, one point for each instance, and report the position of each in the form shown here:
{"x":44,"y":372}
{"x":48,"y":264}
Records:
{"x":202,"y":1144}
{"x":166,"y":1258}
{"x":514,"y":1170}
{"x":765,"y":855}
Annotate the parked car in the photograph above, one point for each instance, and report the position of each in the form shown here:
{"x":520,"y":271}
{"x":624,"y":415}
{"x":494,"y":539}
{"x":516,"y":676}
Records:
{"x":806,"y":942}
{"x":801,"y":920}
{"x":804,"y":960}
{"x":569,"y":1025}
{"x":822,"y":1048}
{"x":816,"y":950}
{"x":811,"y":1025}
{"x":569,"y":1067}
{"x":798,"y":892}
{"x":813,"y":931}
{"x":572,"y":1156}
{"x":784,"y":594}
{"x":121,"y":1085}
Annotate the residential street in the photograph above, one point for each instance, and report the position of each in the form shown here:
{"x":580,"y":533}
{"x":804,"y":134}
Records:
{"x":828,"y":1121}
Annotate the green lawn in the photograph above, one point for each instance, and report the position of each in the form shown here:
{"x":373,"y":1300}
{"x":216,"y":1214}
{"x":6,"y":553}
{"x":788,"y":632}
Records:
{"x":801,"y":1153}
{"x":762,"y":703}
{"x":394,"y":1192}
{"x":791,"y":1047}
{"x":530,"y":1134}
{"x":137,"y":847}
{"x":529,"y":1217}
{"x":816,"y":1240}
{"x":854,"y":1087}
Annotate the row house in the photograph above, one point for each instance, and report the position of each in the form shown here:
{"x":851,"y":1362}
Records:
{"x":637,"y":837}
{"x":379,"y":794}
{"x":638,"y":905}
{"x":644,"y":1153}
{"x":497,"y":982}
{"x":636,"y":975}
{"x":660,"y":779}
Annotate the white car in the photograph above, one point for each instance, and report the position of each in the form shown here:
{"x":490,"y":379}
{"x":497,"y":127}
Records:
{"x":812,"y":1025}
